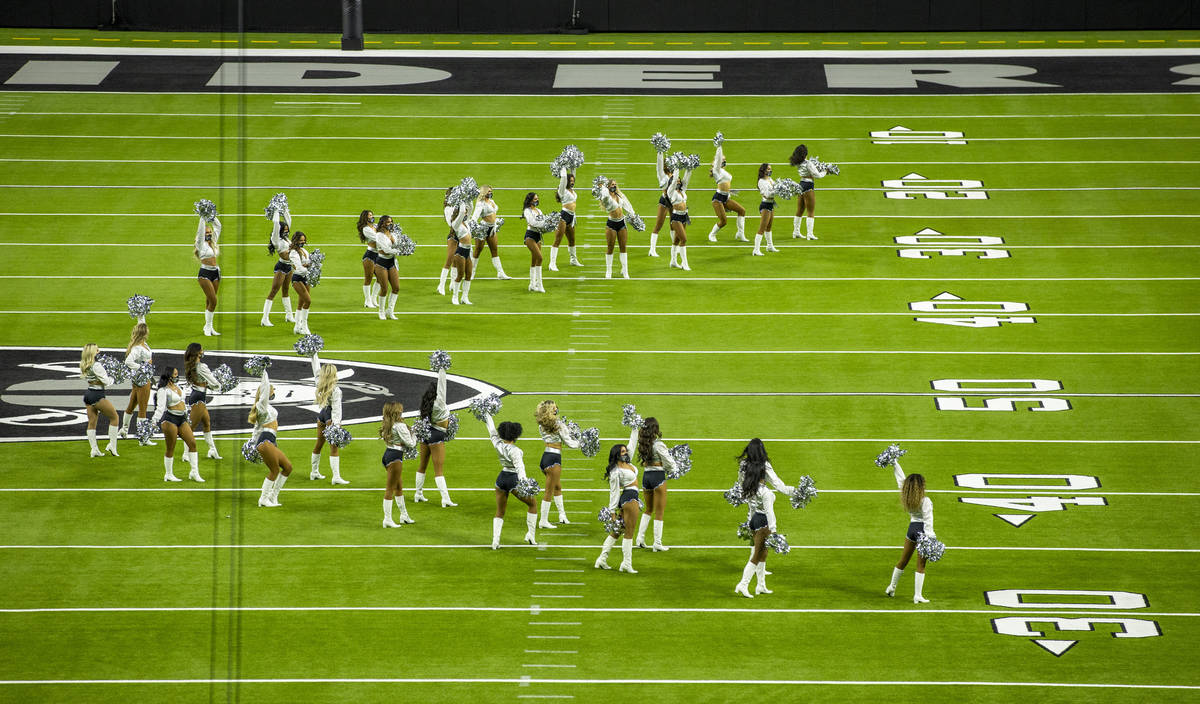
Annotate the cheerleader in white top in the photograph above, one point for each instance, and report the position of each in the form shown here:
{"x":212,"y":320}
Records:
{"x":95,"y":401}
{"x":395,"y":433}
{"x":485,"y":212}
{"x":622,"y":499}
{"x":456,"y":218}
{"x":206,"y":249}
{"x":433,"y":409}
{"x":451,"y":246}
{"x":136,"y":354}
{"x":664,"y":172}
{"x":280,"y":245}
{"x":656,"y":462}
{"x":554,"y":434}
{"x":329,"y":400}
{"x":618,"y":208}
{"x":565,"y":194}
{"x":722,"y":201}
{"x":920,"y":516}
{"x":386,"y":273}
{"x":366,"y":235}
{"x":201,"y":379}
{"x":766,"y":210}
{"x":757,"y":479}
{"x":807,"y":201}
{"x":512,"y":470}
{"x":170,"y":416}
{"x":300,"y":263}
{"x":265,"y":420}
{"x":533,"y":241}
{"x":677,"y":194}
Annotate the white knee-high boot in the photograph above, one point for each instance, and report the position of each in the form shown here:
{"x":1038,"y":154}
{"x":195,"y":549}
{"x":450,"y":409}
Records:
{"x":602,"y":561}
{"x":404,"y":517}
{"x":562,"y":512}
{"x":499,"y":269}
{"x":335,"y":463}
{"x":761,"y":571}
{"x":531,"y":528}
{"x":387,"y":515}
{"x":741,"y":229}
{"x":497,"y":526}
{"x":169,"y":470}
{"x":918,"y":587}
{"x":624,"y":259}
{"x":212,"y":446}
{"x":608,"y":265}
{"x":643,"y":524}
{"x":554,"y":258}
{"x":315,"y":464}
{"x":288,"y":315}
{"x":627,"y":556}
{"x":683,"y":262}
{"x":441,"y":288}
{"x":419,"y":487}
{"x":658,"y":529}
{"x":653,"y":244}
{"x":266,"y":316}
{"x":91,"y":436}
{"x":441,"y":485}
{"x":891,"y":588}
{"x":743,"y":587}
{"x":544,"y":513}
{"x":810,"y":226}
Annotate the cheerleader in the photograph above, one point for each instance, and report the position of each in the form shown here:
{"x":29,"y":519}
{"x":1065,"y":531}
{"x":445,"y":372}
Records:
{"x":809,"y":170}
{"x":656,"y":462}
{"x":920,"y":514}
{"x":533,"y":240}
{"x":170,"y":416}
{"x":451,"y":246}
{"x":97,"y":378}
{"x":265,"y":420}
{"x":366,"y":235}
{"x":565,"y":195}
{"x":300,"y":262}
{"x":485,"y":212}
{"x":664,"y":173}
{"x":200,"y":377}
{"x":136,"y":354}
{"x":206,"y":250}
{"x":282,"y":279}
{"x":721,"y":200}
{"x":622,"y":498}
{"x":456,"y":218}
{"x":512,"y":470}
{"x":766,"y":210}
{"x":615,"y":232}
{"x":757,"y":478}
{"x":433,"y":409}
{"x":394,"y":432}
{"x":329,"y":400}
{"x":677,"y":194}
{"x":554,"y":435}
{"x":386,"y":273}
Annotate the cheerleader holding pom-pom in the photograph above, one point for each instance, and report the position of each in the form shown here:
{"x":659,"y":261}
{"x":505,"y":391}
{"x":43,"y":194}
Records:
{"x":280,"y":245}
{"x":619,"y":210}
{"x":299,"y":256}
{"x":386,"y":273}
{"x":95,"y":401}
{"x":366,"y":235}
{"x":170,"y":416}
{"x":920,"y":513}
{"x":663,"y":170}
{"x":201,"y":379}
{"x":807,"y":202}
{"x":485,"y":213}
{"x":656,"y":463}
{"x":138,"y":353}
{"x":265,"y":420}
{"x":533,"y":240}
{"x":722,"y":201}
{"x":565,"y":194}
{"x":433,"y":410}
{"x":511,"y":479}
{"x":555,"y":434}
{"x":756,"y":479}
{"x":329,"y":400}
{"x":621,"y":475}
{"x":400,"y":444}
{"x":766,"y":210}
{"x":206,"y":251}
{"x":677,"y":194}
{"x":456,"y":217}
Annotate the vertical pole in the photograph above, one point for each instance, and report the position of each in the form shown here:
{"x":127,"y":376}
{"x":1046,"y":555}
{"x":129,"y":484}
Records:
{"x":352,"y":25}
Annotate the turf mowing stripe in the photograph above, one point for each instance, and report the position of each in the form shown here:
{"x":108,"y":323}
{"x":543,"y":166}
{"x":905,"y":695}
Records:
{"x":876,"y":216}
{"x":577,"y":138}
{"x":575,"y":118}
{"x":520,"y":680}
{"x":999,"y":489}
{"x":693,"y":279}
{"x":885,"y":441}
{"x":571,"y":609}
{"x":357,"y":164}
{"x":391,"y":351}
{"x":848,"y":189}
{"x":591,"y":546}
{"x":598,"y":309}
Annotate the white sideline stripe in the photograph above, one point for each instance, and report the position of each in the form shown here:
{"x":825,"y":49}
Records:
{"x":571,"y":138}
{"x":573,"y":609}
{"x":356,"y":164}
{"x":867,"y":189}
{"x":999,"y":489}
{"x":481,"y":546}
{"x":877,"y":216}
{"x":627,"y":314}
{"x":539,"y":116}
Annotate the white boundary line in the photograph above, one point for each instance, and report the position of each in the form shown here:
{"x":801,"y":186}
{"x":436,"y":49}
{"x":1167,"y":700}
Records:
{"x":573,"y":609}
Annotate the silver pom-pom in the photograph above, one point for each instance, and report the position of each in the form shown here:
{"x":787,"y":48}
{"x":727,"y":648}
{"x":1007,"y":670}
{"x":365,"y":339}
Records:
{"x":778,"y":542}
{"x":744,"y":532}
{"x":613,"y":522}
{"x":256,"y":364}
{"x":145,"y":429}
{"x":225,"y":378}
{"x":338,"y":436}
{"x":142,"y":375}
{"x":480,"y":229}
{"x":411,"y":453}
{"x":439,"y":360}
{"x":139,"y":305}
{"x":421,"y":430}
{"x":316,"y":260}
{"x":598,"y":185}
{"x":630,"y":417}
{"x":250,"y":452}
{"x":889,"y":455}
{"x":661,"y":144}
{"x":405,"y":246}
{"x":786,"y":189}
{"x":718,"y":140}
{"x":527,"y":487}
{"x":483,"y":406}
{"x":309,"y":345}
{"x":556,"y":167}
{"x":804,"y":492}
{"x":930,"y":547}
{"x":548,"y":222}
{"x":691,"y":162}
{"x":734,"y":495}
{"x":827,"y":168}
{"x":635,"y":221}
{"x":452,"y":428}
{"x":589,"y":442}
{"x":672,"y":160}
{"x":279,"y":203}
{"x":465,"y":192}
{"x":571,"y":157}
{"x":115,"y":367}
{"x":682,"y":454}
{"x":206,"y":209}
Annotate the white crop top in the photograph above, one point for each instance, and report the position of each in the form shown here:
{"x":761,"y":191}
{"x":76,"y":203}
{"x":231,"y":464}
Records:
{"x":924,"y":514}
{"x":611,"y":204}
{"x":485,"y":209}
{"x":138,"y":355}
{"x":97,"y":377}
{"x":531,"y":216}
{"x":810,"y":169}
{"x":262,"y":403}
{"x":205,"y":249}
{"x":719,"y":174}
{"x":512,"y":459}
{"x":335,"y":405}
{"x":560,"y":434}
{"x":456,"y":221}
{"x":281,"y":243}
{"x":300,"y":260}
{"x":566,"y":195}
{"x":165,"y":399}
{"x":618,"y":480}
{"x":675,"y":188}
{"x":766,"y":188}
{"x":206,"y":376}
{"x":369,"y":232}
{"x":401,"y":438}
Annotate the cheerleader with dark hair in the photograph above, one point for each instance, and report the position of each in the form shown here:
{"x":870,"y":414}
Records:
{"x":201,"y":379}
{"x":394,"y":431}
{"x":622,"y":500}
{"x":298,"y":253}
{"x":664,"y":172}
{"x":677,"y":194}
{"x":456,"y":218}
{"x":96,"y":402}
{"x":280,"y":245}
{"x":766,"y":210}
{"x":722,"y":201}
{"x":265,"y":420}
{"x":206,"y":250}
{"x":512,"y":470}
{"x":920,"y":515}
{"x":433,"y":409}
{"x":806,"y":202}
{"x":485,"y":212}
{"x":136,"y":354}
{"x":366,"y":235}
{"x":386,"y":273}
{"x":170,"y":416}
{"x":451,"y":244}
{"x":757,"y":478}
{"x":533,"y":240}
{"x":656,"y":462}
{"x":619,"y":209}
{"x":565,"y":194}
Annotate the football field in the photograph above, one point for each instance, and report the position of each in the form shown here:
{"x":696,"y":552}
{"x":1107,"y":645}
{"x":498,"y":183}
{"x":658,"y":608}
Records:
{"x":1004,"y":284}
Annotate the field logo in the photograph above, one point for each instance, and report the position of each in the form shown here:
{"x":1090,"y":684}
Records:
{"x":41,"y":395}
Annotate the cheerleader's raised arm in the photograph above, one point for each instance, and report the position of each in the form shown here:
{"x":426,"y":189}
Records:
{"x":920,"y":516}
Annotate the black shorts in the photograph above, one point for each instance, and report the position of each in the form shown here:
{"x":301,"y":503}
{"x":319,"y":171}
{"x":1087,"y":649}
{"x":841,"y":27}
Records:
{"x":325,"y":415}
{"x":915,"y":529}
{"x":766,"y":205}
{"x":283,"y":267}
{"x":464,"y":252}
{"x":758,"y":520}
{"x":664,"y":202}
{"x":197,"y":396}
{"x":653,"y":477}
{"x":506,"y":481}
{"x":806,"y":186}
{"x":615,"y":225}
{"x":681,"y":217}
{"x":535,"y":236}
{"x":300,"y":279}
{"x":266,"y":436}
{"x":175,"y":418}
{"x":721,"y":197}
{"x":391,"y":455}
{"x":385,"y":263}
{"x":210,"y":274}
{"x":568,"y":216}
{"x":93,"y":396}
{"x":371,"y":255}
{"x":627,"y":496}
{"x":437,"y":435}
{"x":549,"y":459}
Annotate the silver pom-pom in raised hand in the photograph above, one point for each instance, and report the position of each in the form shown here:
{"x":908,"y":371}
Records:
{"x":250,"y":452}
{"x":439,"y":360}
{"x":483,"y":406}
{"x":316,"y":260}
{"x":527,"y":487}
{"x":589,"y":442}
{"x":778,"y":542}
{"x":115,"y":367}
{"x":734,"y":495}
{"x":930,"y":547}
{"x":309,"y":345}
{"x":786,"y":189}
{"x":599,"y":184}
{"x":257,"y":364}
{"x":613,"y":522}
{"x":548,"y":222}
{"x":337,"y":436}
{"x":889,"y":455}
{"x":279,"y":203}
{"x":452,"y":427}
{"x":744,"y":532}
{"x":422,"y":430}
{"x":826,"y":167}
{"x":226,"y":381}
{"x":465,"y":192}
{"x":630,"y":417}
{"x":718,"y":140}
{"x":143,"y":375}
{"x":571,"y":157}
{"x":691,"y":162}
{"x":682,"y":454}
{"x":145,"y":429}
{"x":804,"y":492}
{"x":139,"y":305}
{"x":206,"y":209}
{"x":661,"y":144}
{"x":635,"y":221}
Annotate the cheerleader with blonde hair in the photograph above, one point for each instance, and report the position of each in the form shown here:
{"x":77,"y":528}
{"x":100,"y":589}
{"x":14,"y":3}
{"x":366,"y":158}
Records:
{"x":554,"y":434}
{"x":920,"y":515}
{"x":329,"y":400}
{"x":136,"y":354}
{"x":265,"y":420}
{"x":396,"y":435}
{"x":94,"y":399}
